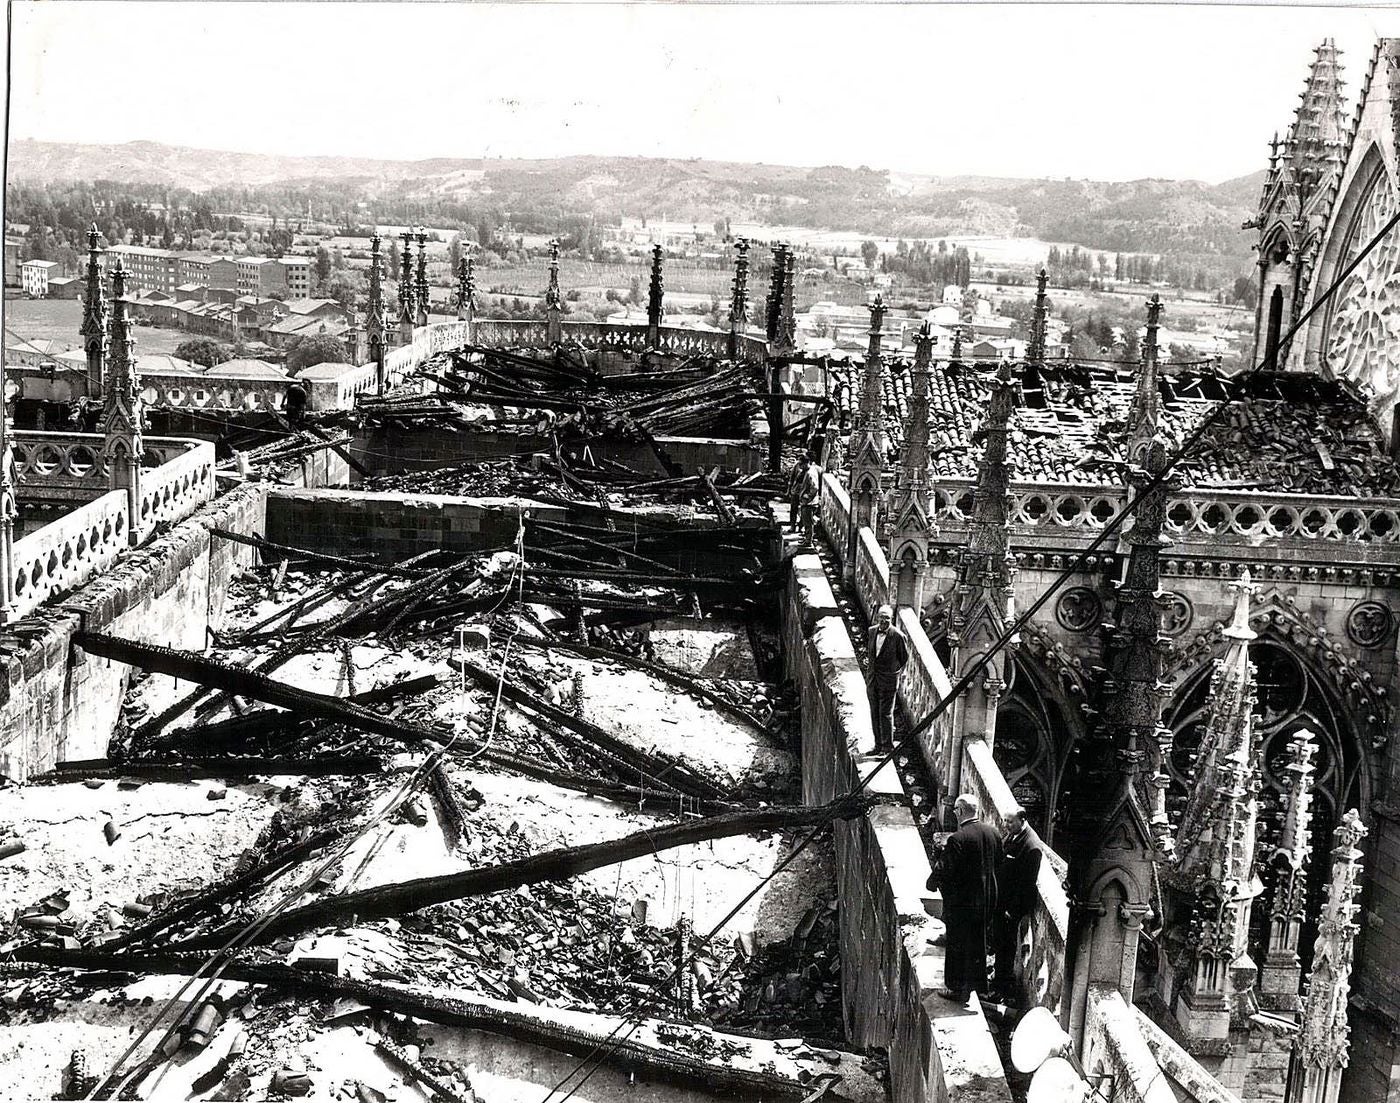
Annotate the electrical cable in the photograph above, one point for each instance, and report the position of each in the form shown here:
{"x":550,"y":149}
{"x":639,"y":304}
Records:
{"x":604,"y":1048}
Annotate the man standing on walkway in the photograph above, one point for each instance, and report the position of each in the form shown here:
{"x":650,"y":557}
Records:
{"x":968,"y":881}
{"x":888,"y":652}
{"x":1017,"y":875}
{"x":809,"y":492}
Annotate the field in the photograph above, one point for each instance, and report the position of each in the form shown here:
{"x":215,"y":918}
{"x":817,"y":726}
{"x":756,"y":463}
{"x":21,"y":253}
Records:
{"x":59,"y":320}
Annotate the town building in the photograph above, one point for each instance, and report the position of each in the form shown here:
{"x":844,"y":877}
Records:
{"x":35,"y":276}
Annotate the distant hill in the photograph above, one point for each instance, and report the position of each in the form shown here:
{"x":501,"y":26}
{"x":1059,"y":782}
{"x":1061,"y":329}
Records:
{"x":1182,"y":218}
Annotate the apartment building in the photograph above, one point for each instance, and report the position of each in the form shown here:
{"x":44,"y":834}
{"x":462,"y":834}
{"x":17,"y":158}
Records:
{"x":165,"y":270}
{"x":149,"y":269}
{"x":35,"y":275}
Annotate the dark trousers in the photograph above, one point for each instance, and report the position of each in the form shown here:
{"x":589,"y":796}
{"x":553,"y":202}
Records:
{"x":965,"y":949}
{"x":884,"y":690}
{"x":1004,"y":930}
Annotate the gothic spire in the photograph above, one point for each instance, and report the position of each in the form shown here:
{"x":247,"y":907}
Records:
{"x":910,"y":510}
{"x":122,"y":417}
{"x":787,"y":322}
{"x":1035,"y":347}
{"x":553,"y":300}
{"x":914,"y":463}
{"x":1145,"y":412}
{"x":407,"y":307}
{"x":466,"y":287}
{"x":94,"y":327}
{"x":420,"y":287}
{"x":773,"y":306}
{"x":1323,"y":1041}
{"x":1214,"y":861}
{"x":656,"y":293}
{"x":985,"y":566}
{"x":376,"y":320}
{"x":872,"y":399}
{"x":1279,"y":982}
{"x":1319,"y":129}
{"x":739,"y":299}
{"x":869,"y":442}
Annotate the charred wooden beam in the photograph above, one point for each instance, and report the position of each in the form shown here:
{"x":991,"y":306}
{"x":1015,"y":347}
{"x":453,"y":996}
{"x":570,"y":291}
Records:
{"x":231,"y":678}
{"x":384,"y":901}
{"x":658,"y":766}
{"x":670,"y":1065}
{"x":335,"y":561}
{"x":215,"y":895}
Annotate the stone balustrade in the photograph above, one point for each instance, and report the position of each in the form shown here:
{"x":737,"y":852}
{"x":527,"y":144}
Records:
{"x":64,"y":467}
{"x":211,"y":391}
{"x":175,"y":489}
{"x":1114,"y":1047}
{"x":340,"y":392}
{"x":1220,"y":516}
{"x":67,"y":552}
{"x":78,"y":545}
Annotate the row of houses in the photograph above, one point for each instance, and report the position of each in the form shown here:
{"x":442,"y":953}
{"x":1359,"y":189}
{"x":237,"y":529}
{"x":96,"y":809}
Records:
{"x":226,"y":314}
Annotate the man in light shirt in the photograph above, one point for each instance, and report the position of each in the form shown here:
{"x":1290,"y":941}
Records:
{"x":889,"y":652}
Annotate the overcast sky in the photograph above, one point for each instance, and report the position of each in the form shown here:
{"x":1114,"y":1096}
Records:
{"x":1104,"y":91}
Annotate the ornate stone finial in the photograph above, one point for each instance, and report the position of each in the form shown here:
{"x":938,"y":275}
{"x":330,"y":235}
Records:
{"x":956,"y":354}
{"x":420,"y":288}
{"x":1244,"y":589}
{"x":94,"y":327}
{"x":122,"y":419}
{"x":1323,"y":1041}
{"x":1035,"y":347}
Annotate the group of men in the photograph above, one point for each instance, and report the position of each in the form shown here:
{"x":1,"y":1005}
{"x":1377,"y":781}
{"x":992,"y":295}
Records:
{"x":988,"y":880}
{"x":989,"y":887}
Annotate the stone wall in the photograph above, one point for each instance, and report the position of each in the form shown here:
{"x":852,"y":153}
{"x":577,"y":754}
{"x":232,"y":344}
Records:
{"x":890,"y":969}
{"x":394,"y":527}
{"x":56,"y":703}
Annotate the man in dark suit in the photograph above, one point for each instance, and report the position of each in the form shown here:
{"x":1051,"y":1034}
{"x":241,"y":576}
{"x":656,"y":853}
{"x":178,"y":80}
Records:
{"x":889,"y":652}
{"x":969,"y":884}
{"x":1017,"y":874}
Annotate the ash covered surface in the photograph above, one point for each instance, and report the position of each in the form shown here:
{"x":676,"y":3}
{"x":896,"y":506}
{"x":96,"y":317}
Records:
{"x":187,"y":862}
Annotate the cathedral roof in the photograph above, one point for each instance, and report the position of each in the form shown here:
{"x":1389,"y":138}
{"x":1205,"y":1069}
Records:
{"x":1289,"y":432}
